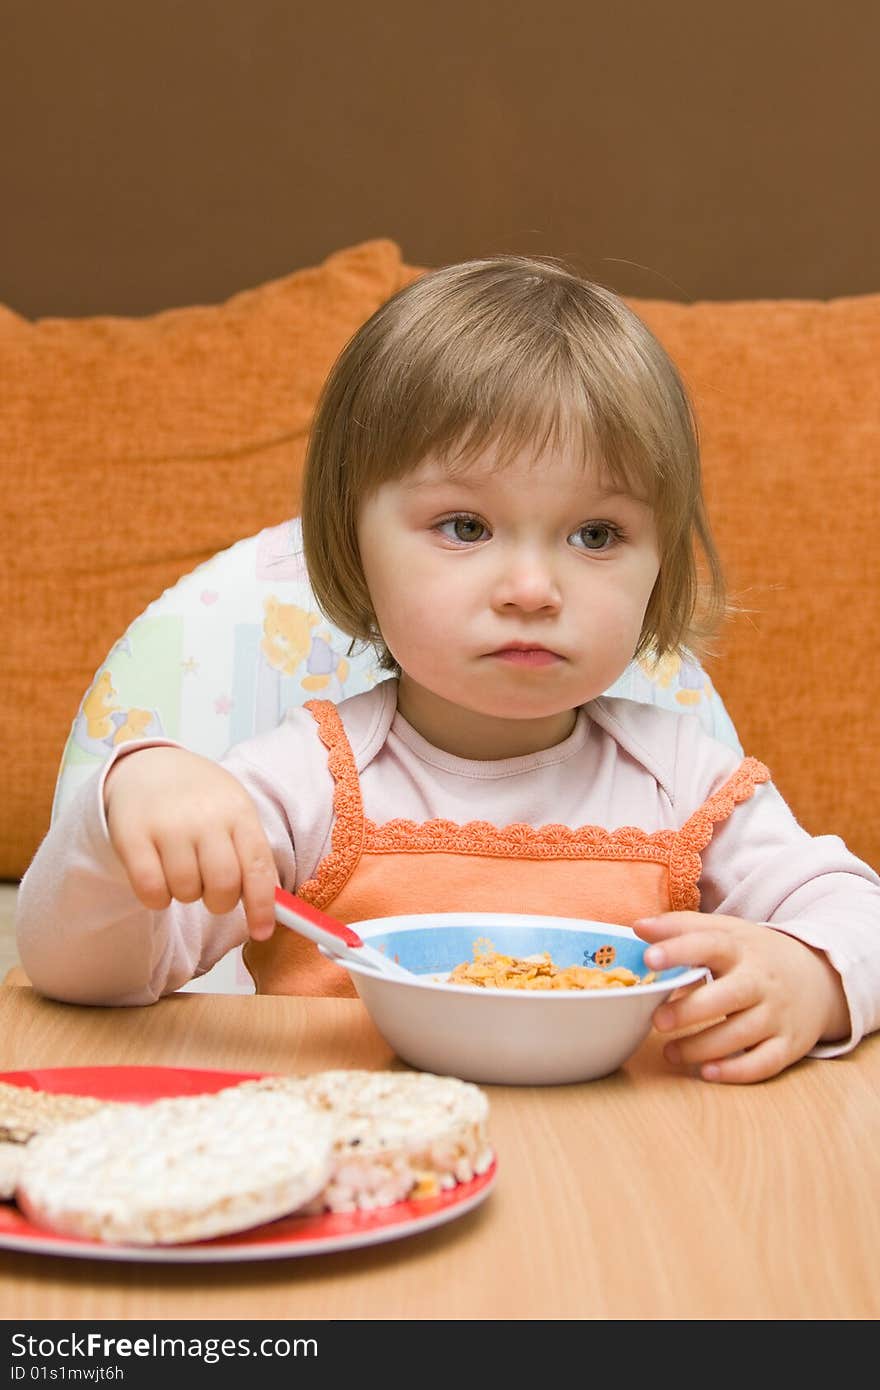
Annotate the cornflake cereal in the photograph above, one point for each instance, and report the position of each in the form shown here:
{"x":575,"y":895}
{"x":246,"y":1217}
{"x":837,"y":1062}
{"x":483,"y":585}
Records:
{"x":489,"y":969}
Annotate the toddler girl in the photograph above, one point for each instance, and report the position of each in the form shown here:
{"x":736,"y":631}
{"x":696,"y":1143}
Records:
{"x":503,"y":495}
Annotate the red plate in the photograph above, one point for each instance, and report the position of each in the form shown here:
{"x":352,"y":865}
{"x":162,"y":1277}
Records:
{"x":291,"y":1235}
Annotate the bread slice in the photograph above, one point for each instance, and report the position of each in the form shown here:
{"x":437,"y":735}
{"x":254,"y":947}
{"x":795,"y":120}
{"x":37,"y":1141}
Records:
{"x":181,"y":1169}
{"x":396,"y":1134}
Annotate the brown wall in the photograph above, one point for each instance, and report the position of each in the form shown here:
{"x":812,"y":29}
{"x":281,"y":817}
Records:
{"x":177,"y":151}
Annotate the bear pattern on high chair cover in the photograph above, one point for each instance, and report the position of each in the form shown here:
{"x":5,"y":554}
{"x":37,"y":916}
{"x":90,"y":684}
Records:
{"x":438,"y":865}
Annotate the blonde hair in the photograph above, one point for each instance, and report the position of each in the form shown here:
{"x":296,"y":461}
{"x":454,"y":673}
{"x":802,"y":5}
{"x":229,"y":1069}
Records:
{"x":512,"y":351}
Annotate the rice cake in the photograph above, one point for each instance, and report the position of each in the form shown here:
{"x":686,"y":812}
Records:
{"x":12,"y":1160}
{"x":180,"y":1169}
{"x":396,"y":1134}
{"x":25,"y":1112}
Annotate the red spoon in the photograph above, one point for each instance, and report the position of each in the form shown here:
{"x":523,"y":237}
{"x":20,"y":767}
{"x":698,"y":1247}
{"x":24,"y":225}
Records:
{"x":341,"y":941}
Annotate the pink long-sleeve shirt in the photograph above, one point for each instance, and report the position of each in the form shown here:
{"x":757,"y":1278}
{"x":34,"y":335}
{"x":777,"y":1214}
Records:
{"x":84,"y":937}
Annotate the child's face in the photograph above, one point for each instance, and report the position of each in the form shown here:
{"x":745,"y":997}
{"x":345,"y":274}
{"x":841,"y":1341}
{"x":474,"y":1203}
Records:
{"x":508,"y":596}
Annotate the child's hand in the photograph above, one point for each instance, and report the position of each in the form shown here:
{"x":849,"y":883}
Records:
{"x":185,"y":828}
{"x":772,"y":997}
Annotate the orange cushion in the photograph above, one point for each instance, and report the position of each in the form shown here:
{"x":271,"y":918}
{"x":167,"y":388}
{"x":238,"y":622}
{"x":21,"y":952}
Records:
{"x":131,"y":450}
{"x":141,"y":447}
{"x":787,"y":396}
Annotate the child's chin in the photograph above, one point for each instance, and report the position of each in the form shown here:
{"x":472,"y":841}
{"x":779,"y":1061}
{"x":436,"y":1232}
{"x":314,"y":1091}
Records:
{"x":523,"y":707}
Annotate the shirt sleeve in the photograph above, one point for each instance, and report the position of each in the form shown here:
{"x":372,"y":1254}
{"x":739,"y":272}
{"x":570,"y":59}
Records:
{"x":761,"y":865}
{"x":84,"y":937}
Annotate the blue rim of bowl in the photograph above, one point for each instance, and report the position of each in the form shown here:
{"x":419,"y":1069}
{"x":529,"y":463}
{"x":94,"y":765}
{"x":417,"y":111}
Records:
{"x":410,"y":922}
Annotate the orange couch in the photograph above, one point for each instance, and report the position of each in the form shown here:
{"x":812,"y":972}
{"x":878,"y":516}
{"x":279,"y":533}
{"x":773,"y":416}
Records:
{"x":133,"y":449}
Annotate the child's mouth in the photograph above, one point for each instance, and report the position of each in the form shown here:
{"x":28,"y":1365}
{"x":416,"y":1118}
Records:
{"x":527,"y":656}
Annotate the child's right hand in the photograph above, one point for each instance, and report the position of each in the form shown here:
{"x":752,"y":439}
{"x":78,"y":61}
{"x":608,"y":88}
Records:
{"x":185,"y":828}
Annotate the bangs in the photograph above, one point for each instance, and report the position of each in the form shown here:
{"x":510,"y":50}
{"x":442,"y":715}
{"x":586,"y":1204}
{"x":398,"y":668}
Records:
{"x":546,"y":391}
{"x":563,"y":420}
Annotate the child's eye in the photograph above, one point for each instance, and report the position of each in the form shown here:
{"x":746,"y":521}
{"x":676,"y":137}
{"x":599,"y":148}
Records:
{"x":595,"y":535}
{"x":463,"y":529}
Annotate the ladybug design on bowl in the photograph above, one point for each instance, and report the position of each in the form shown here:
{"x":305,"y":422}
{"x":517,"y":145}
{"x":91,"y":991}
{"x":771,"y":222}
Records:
{"x":602,"y":957}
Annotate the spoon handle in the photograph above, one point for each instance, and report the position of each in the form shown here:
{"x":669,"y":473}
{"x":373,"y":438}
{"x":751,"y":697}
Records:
{"x":337,"y":938}
{"x":327,"y":930}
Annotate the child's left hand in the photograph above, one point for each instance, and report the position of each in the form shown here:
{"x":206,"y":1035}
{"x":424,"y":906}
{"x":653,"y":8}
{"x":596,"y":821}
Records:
{"x":771,"y":1000}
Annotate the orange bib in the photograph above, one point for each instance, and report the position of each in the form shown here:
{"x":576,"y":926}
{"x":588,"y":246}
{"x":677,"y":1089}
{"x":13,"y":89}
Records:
{"x":440,"y":866}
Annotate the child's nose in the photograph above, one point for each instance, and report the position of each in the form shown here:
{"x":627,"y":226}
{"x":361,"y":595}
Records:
{"x":527,"y":582}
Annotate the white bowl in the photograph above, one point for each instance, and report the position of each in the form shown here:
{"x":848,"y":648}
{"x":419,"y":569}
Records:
{"x":508,"y":1037}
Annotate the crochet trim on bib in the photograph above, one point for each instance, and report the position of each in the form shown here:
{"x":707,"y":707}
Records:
{"x":685,"y":864}
{"x":526,"y":841}
{"x":347,"y":838}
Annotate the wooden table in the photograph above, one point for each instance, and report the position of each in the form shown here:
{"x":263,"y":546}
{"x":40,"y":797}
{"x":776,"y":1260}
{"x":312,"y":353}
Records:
{"x":649,"y":1194}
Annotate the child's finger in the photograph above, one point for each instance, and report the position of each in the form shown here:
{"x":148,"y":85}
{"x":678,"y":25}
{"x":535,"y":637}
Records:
{"x":141,"y":862}
{"x":259,"y":877}
{"x":759,"y":1063}
{"x":731,"y":994}
{"x":723,"y":1038}
{"x":711,"y":946}
{"x":221,"y":873}
{"x":181,"y":868}
{"x":667,"y":924}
